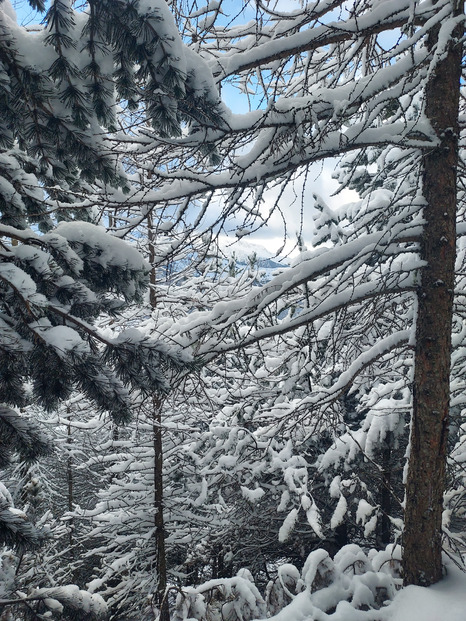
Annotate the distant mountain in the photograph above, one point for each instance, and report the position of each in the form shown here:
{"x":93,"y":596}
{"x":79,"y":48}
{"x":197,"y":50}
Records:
{"x":231,"y":257}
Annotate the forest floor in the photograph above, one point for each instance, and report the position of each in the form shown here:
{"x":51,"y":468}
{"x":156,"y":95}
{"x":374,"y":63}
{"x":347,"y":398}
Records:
{"x":444,"y":601}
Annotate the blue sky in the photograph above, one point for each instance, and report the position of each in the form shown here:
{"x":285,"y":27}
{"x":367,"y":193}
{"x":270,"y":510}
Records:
{"x":319,"y":181}
{"x":25,"y":14}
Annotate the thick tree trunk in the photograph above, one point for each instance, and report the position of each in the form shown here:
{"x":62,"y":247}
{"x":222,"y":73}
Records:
{"x":425,"y":484}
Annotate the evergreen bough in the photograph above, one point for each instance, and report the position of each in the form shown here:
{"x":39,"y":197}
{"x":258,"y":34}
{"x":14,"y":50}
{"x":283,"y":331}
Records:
{"x":59,"y":269}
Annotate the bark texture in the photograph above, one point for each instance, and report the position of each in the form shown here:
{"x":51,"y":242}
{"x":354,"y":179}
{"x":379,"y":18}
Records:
{"x":422,"y":557}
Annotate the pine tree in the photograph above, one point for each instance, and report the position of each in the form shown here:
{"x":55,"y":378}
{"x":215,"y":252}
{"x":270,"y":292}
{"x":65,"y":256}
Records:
{"x":57,"y":279}
{"x":59,"y":269}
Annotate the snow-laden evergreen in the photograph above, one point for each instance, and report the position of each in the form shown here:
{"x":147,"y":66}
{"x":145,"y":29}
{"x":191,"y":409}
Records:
{"x":59,"y":269}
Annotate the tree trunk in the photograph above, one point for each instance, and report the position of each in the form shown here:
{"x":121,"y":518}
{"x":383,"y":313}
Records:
{"x":383,"y":530}
{"x":69,"y":478}
{"x":161,"y":559}
{"x":153,"y":271}
{"x":161,"y":599}
{"x":422,"y":560}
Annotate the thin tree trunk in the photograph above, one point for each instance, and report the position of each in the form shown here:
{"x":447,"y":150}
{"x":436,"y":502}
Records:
{"x":161,"y":559}
{"x":69,"y":478}
{"x":160,"y":552}
{"x":422,"y":560}
{"x":383,"y":531}
{"x":153,"y":271}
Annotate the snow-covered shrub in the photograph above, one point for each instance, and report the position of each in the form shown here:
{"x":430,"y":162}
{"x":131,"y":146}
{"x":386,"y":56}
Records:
{"x":227,"y":599}
{"x":352,"y":581}
{"x":318,"y":571}
{"x":350,"y":584}
{"x":281,"y":591}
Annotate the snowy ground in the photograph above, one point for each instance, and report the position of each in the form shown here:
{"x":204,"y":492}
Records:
{"x":445,"y":601}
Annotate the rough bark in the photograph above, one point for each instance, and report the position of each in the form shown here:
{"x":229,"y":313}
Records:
{"x":422,"y":560}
